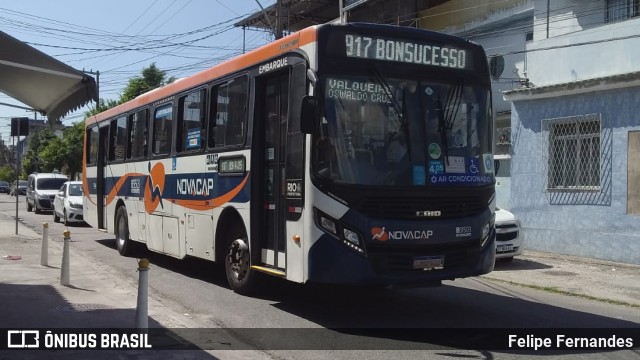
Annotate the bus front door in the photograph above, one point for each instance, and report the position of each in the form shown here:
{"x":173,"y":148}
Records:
{"x":273,"y":112}
{"x":100,"y":176}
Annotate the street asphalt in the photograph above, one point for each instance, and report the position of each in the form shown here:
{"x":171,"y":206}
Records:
{"x":32,"y":296}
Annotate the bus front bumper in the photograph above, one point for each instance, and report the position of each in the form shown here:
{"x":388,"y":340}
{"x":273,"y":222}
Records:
{"x":331,"y":262}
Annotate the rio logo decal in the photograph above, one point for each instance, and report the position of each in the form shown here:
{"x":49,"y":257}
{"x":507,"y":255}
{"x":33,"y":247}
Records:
{"x":155,"y":187}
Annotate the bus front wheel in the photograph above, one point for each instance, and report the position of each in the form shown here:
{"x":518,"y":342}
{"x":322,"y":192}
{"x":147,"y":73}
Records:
{"x":123,"y":243}
{"x":237,"y":266}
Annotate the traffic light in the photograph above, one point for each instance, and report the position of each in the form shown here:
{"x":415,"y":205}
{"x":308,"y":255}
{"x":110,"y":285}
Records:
{"x":20,"y":126}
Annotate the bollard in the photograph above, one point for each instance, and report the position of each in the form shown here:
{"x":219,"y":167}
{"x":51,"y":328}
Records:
{"x":142,"y":318}
{"x":64,"y":268}
{"x":44,"y":253}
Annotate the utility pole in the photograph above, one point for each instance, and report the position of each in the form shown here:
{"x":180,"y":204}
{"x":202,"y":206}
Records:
{"x":97,"y":74}
{"x":279,"y":19}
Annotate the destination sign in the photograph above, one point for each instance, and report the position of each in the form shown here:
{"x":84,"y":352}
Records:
{"x":406,"y":51}
{"x":348,"y":89}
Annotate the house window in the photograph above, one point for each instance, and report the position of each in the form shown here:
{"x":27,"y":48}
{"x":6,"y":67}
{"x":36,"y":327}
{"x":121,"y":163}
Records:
{"x":619,"y":10}
{"x":574,"y":153}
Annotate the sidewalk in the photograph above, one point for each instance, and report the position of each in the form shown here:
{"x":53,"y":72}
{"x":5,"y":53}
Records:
{"x":31,"y":297}
{"x":599,"y":280}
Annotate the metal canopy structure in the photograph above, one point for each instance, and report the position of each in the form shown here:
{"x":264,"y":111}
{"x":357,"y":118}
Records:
{"x":42,"y":82}
{"x":295,"y":15}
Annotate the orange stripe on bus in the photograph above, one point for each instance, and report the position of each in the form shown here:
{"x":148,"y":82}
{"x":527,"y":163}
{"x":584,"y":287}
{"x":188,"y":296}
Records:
{"x":114,"y":192}
{"x":284,"y":45}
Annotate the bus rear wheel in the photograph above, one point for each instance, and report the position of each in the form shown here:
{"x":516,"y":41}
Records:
{"x":237,"y":265}
{"x":123,"y":243}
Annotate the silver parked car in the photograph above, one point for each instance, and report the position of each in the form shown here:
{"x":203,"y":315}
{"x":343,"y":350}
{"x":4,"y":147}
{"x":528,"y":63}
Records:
{"x":509,"y":237}
{"x":67,"y":204}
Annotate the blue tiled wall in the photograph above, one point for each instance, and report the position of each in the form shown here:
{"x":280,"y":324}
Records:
{"x":593,"y":225}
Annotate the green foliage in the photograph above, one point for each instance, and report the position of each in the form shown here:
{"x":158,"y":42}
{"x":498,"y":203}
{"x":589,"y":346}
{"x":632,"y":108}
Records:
{"x":151,"y":78}
{"x":103,"y":105}
{"x":47,"y":152}
{"x":31,"y":159}
{"x":7,"y":173}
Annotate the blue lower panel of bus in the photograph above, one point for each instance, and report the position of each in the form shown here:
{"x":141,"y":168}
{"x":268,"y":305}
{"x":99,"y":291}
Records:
{"x":332,"y":262}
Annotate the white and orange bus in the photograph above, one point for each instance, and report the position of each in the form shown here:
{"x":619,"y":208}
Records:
{"x":349,"y":154}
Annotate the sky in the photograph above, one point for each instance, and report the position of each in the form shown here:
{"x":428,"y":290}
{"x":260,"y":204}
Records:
{"x":119,"y":38}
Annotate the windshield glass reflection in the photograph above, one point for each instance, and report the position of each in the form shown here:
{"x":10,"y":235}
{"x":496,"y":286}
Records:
{"x":383,"y":131}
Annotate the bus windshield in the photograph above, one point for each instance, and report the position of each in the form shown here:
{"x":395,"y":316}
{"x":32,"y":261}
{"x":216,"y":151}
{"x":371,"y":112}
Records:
{"x":388,"y":131}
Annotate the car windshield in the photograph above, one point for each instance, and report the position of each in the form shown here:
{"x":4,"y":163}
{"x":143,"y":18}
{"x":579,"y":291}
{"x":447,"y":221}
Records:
{"x":22,"y":183}
{"x":391,"y":131}
{"x":51,"y":183}
{"x":75,"y":189}
{"x":4,"y":183}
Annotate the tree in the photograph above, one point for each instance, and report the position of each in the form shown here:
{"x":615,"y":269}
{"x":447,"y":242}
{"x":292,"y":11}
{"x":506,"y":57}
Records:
{"x":151,"y":78}
{"x":7,"y":173}
{"x":72,"y":142}
{"x":31,"y":158}
{"x":47,"y":152}
{"x":64,"y":154}
{"x":103,"y":105}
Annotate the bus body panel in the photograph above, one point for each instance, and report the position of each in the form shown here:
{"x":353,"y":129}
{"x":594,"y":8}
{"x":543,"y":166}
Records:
{"x":176,"y":203}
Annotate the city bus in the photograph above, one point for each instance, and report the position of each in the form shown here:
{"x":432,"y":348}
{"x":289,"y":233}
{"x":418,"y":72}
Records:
{"x":356,"y":154}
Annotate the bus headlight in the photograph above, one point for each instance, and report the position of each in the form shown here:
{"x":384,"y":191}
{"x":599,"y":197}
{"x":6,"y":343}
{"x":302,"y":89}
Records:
{"x":339,"y":231}
{"x":351,"y":236}
{"x":328,"y":225}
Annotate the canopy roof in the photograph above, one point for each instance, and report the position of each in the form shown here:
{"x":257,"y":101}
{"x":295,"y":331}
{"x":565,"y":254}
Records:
{"x":42,"y":82}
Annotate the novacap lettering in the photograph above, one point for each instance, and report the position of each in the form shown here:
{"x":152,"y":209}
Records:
{"x":194,"y":186}
{"x":410,"y":235}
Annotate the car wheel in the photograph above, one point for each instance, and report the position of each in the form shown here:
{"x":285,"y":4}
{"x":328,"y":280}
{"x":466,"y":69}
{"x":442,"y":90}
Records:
{"x":64,"y":217}
{"x":123,"y":243}
{"x":241,"y":278}
{"x":56,"y":218}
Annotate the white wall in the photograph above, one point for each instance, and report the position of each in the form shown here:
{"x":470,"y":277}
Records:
{"x":560,"y":58}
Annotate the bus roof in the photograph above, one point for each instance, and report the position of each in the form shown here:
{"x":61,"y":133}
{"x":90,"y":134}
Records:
{"x":287,"y":43}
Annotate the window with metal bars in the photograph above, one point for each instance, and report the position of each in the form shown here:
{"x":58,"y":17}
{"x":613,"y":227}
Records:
{"x":619,"y":10}
{"x":574,"y":153}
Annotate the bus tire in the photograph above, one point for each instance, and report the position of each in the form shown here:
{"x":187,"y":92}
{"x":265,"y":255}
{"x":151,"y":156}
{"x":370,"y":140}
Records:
{"x":237,"y":264}
{"x":123,"y":243}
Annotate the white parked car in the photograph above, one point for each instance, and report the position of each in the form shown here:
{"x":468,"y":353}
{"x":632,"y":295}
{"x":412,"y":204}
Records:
{"x":67,"y":205}
{"x":509,"y":237}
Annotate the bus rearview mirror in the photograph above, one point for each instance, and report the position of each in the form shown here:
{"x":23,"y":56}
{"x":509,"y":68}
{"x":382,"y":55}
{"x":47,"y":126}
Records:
{"x":310,"y":115}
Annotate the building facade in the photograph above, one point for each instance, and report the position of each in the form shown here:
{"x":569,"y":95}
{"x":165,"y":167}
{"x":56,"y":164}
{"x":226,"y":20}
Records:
{"x":575,"y":181}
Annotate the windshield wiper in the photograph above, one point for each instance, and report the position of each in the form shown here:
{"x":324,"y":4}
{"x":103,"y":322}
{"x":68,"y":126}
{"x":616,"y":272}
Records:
{"x":447,"y":115}
{"x":387,"y":88}
{"x":401,"y":109}
{"x":442,"y":129}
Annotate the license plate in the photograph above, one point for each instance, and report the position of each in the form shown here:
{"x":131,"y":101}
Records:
{"x":504,"y":248}
{"x":428,"y":262}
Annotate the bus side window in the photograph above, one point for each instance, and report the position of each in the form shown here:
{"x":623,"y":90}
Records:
{"x":191,"y":124}
{"x":117,"y":139}
{"x":138,"y":123}
{"x":92,"y":145}
{"x":162,"y":130}
{"x":227,"y":119}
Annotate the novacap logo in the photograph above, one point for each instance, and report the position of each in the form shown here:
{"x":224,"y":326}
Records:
{"x":155,"y":187}
{"x":379,"y":234}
